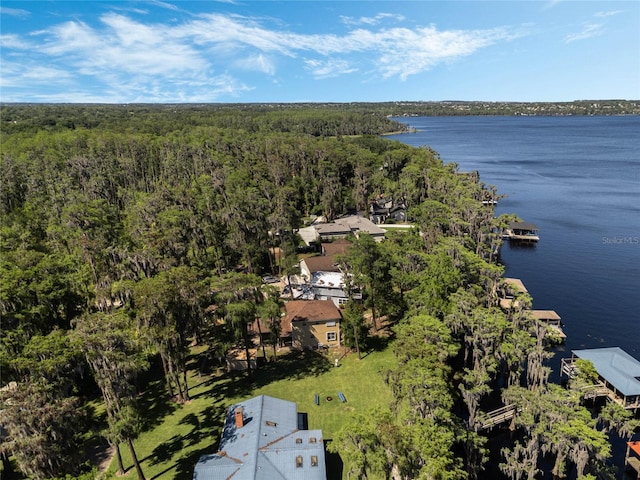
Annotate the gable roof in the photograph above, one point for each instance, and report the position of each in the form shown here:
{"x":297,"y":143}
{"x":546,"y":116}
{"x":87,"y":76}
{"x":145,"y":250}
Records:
{"x":517,"y":284}
{"x":337,"y":247}
{"x":267,"y":446}
{"x":616,"y":366}
{"x":321,"y":263}
{"x":523,"y":226}
{"x":545,"y":314}
{"x":311,"y":310}
{"x":360,"y":224}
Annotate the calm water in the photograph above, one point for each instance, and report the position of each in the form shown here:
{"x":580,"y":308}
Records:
{"x":578,"y":180}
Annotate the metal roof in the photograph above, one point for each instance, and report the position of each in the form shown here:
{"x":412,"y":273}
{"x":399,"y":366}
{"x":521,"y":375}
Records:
{"x":267,"y":446}
{"x":616,"y":366}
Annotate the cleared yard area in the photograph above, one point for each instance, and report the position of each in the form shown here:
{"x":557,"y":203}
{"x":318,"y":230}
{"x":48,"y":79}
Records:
{"x":177,"y":434}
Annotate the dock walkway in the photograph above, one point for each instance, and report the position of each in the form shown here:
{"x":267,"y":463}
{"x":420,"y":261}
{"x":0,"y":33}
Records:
{"x":498,"y":416}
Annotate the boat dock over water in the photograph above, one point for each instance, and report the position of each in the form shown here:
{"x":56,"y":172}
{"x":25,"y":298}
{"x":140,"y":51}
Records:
{"x":521,"y":232}
{"x":511,"y":297}
{"x":553,"y":321}
{"x":619,"y":375}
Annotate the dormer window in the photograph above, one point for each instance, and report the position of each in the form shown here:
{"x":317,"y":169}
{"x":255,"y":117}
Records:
{"x":269,"y":423}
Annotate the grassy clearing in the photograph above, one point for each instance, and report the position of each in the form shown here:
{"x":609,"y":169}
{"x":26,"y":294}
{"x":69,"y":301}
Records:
{"x":177,"y":435}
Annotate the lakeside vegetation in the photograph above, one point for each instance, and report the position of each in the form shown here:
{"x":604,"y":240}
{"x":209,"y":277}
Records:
{"x":132,"y":239}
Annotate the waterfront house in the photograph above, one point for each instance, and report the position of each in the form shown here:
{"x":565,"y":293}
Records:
{"x":619,"y":374}
{"x":265,"y":438}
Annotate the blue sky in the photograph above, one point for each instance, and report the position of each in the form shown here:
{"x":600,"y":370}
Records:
{"x":318,"y":51}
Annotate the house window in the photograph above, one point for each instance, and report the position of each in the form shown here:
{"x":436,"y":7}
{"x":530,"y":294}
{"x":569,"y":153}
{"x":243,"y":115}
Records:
{"x":298,"y":440}
{"x":332,"y":336}
{"x":314,"y":460}
{"x":299,"y":461}
{"x":342,"y":301}
{"x":312,"y":440}
{"x":269,"y":423}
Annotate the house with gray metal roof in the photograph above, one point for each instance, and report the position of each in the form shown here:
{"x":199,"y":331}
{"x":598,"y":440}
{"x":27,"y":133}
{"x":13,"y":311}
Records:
{"x":264,"y":439}
{"x":618,"y":371}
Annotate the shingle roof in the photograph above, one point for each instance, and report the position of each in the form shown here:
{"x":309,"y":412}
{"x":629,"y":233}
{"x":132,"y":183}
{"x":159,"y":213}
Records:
{"x":545,"y":314}
{"x":321,"y":263}
{"x":268,"y":446}
{"x":312,"y":310}
{"x":517,"y":284}
{"x":616,"y":366}
{"x":338,"y":247}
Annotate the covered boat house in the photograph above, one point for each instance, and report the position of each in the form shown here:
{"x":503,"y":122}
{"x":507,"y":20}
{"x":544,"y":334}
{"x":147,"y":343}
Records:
{"x":619,"y":374}
{"x":522,"y":231}
{"x":553,"y":321}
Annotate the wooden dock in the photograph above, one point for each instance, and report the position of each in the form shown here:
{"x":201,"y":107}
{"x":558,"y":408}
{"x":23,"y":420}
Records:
{"x":632,"y":459}
{"x":498,"y":416}
{"x":512,"y":287}
{"x":553,"y":321}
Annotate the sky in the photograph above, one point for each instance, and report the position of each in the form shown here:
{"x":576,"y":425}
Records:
{"x":116,"y":51}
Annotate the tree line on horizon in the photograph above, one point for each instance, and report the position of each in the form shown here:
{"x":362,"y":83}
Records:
{"x":127,"y":233}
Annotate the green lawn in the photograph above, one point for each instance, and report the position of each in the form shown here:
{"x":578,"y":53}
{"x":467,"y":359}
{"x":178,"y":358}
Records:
{"x":177,"y":435}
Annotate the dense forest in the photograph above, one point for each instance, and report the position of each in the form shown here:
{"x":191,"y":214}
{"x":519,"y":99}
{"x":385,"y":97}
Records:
{"x":129,"y":234}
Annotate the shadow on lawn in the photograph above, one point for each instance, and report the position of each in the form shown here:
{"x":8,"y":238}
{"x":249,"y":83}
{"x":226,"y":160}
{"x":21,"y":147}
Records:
{"x":207,"y":426}
{"x":155,"y":404}
{"x":297,"y":364}
{"x":292,"y":365}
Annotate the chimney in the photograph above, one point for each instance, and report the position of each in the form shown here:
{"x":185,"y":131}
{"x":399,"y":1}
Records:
{"x":239,"y":419}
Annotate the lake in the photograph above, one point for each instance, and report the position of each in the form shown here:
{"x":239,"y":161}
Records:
{"x":578,"y":180}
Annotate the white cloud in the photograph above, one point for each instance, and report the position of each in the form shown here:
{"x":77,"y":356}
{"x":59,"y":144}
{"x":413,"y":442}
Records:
{"x":588,"y":31}
{"x":126,"y":46}
{"x":259,"y":63}
{"x":328,"y":68}
{"x":15,"y":12}
{"x":168,"y":6}
{"x":14,"y":42}
{"x":174,"y":61}
{"x":371,"y":20}
{"x":607,"y":14}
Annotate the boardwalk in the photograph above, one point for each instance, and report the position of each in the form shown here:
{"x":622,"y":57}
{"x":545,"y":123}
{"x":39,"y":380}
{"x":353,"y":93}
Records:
{"x":498,"y":416}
